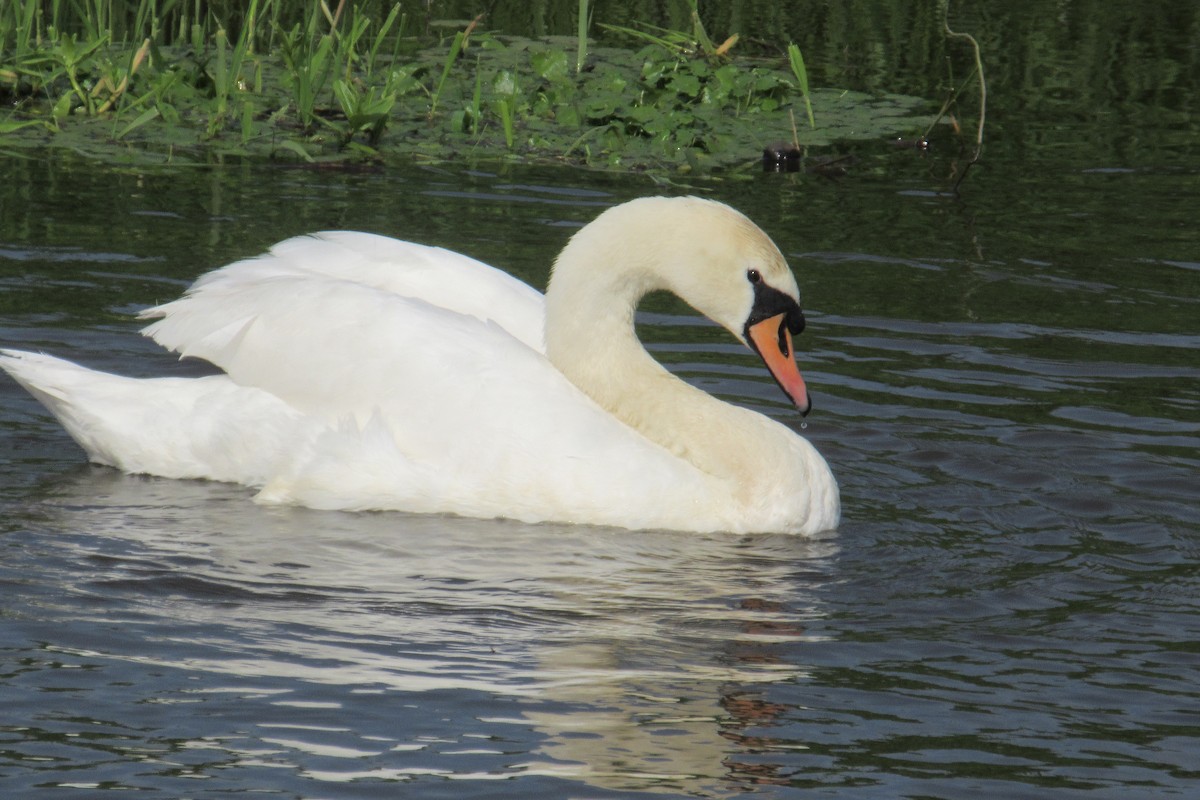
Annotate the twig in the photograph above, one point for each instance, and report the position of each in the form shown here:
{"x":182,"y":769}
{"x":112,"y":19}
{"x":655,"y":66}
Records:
{"x":982,"y":101}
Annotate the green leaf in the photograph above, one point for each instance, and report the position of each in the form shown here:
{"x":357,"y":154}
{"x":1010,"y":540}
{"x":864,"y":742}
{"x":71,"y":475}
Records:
{"x":505,"y":84}
{"x":62,"y":109}
{"x":685,"y":84}
{"x":567,"y":116}
{"x":8,"y":126}
{"x":346,"y":97}
{"x":139,"y":121}
{"x":796,"y":59}
{"x":298,"y":149}
{"x":550,"y":64}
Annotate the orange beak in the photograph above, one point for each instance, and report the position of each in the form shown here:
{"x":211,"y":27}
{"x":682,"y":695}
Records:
{"x":773,"y":343}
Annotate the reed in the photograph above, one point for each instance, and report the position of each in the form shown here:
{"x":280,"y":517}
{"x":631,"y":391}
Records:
{"x":457,"y":46}
{"x":505,"y":90}
{"x":693,"y":42}
{"x":581,"y":43}
{"x":796,"y":61}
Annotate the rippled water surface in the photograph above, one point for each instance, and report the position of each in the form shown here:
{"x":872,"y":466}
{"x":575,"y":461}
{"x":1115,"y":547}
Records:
{"x":1005,"y":383}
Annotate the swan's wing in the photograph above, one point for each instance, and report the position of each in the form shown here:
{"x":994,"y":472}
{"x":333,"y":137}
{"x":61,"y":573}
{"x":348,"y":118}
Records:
{"x":349,"y":323}
{"x":332,"y":347}
{"x":335,"y":349}
{"x":440,"y":277}
{"x":424,"y":408}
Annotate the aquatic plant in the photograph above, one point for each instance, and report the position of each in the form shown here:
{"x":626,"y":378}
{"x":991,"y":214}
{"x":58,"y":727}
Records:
{"x":165,"y":80}
{"x":796,"y":60}
{"x":581,"y":30}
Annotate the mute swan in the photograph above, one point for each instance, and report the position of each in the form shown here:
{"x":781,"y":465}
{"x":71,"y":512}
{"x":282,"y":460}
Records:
{"x":363,"y":372}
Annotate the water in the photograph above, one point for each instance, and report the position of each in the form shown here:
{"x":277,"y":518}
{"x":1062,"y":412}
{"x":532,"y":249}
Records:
{"x":1005,"y":384}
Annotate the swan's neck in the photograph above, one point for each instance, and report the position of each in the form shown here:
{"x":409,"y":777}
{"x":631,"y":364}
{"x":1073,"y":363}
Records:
{"x":590,"y":338}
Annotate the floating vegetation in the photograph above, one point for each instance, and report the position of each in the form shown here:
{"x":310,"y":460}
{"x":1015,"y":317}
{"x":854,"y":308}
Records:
{"x":337,"y":85}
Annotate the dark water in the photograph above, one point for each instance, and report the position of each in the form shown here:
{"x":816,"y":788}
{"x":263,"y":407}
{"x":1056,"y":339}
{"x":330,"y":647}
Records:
{"x":1006,"y":385}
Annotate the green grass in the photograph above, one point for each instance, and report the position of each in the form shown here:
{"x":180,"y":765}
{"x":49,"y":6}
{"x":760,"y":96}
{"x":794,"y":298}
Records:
{"x":171,"y":79}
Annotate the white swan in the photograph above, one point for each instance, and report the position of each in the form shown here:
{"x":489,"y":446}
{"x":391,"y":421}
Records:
{"x":363,"y":372}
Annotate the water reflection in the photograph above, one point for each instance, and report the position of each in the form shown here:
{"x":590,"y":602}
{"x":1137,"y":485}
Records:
{"x":628,"y":661}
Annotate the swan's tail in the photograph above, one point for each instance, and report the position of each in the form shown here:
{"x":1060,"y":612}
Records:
{"x":174,"y":427}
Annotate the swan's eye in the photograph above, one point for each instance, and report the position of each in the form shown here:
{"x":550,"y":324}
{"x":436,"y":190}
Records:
{"x":753,"y":276}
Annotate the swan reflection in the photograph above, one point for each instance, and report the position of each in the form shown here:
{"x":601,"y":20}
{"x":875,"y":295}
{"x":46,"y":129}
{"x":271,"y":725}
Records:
{"x":620,"y":660}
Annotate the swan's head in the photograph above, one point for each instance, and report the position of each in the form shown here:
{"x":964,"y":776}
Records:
{"x":712,"y":257}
